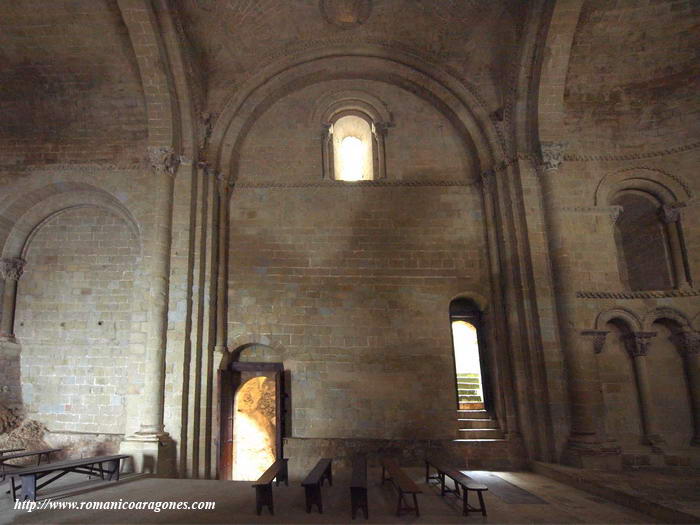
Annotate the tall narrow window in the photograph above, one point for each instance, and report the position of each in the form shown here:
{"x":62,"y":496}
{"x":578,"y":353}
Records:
{"x":352,"y":149}
{"x":644,"y":260}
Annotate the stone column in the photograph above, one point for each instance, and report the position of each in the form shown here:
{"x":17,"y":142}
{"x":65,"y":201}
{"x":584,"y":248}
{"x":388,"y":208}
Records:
{"x":670,"y":216}
{"x":587,"y":446}
{"x":637,"y":344}
{"x":151,"y":447}
{"x":688,"y":344}
{"x":11,"y":270}
{"x":222,"y":275}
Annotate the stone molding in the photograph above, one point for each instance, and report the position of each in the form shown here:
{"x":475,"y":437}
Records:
{"x":356,"y":184}
{"x":12,"y":268}
{"x":163,"y":159}
{"x":688,"y":343}
{"x":613,"y":212}
{"x":651,"y":294}
{"x":637,"y":343}
{"x":598,"y":337}
{"x":581,"y":157}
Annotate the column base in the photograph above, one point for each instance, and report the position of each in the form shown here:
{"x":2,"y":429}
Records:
{"x":592,"y":455}
{"x":150,"y":454}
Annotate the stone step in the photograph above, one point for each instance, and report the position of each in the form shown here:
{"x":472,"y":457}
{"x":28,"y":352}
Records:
{"x":469,"y":399}
{"x":467,"y":391}
{"x":473,"y":414}
{"x":482,"y":424}
{"x":468,"y":374}
{"x":480,"y":433}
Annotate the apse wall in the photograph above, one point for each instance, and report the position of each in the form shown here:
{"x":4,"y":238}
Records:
{"x":351,"y":282}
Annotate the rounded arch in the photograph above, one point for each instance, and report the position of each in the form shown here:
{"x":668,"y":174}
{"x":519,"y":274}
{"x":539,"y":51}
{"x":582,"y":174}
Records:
{"x":663,"y":313}
{"x":626,"y":318}
{"x":350,"y":99}
{"x":665,"y":187}
{"x":446,"y":93}
{"x":477,"y":299}
{"x":32,"y":210}
{"x":241,"y":343}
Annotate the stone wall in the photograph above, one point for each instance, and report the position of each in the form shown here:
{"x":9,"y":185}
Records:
{"x":74,"y":315}
{"x":352,"y":282}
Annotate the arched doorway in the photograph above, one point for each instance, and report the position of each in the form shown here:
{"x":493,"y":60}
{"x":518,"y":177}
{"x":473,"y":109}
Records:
{"x":251,"y":419}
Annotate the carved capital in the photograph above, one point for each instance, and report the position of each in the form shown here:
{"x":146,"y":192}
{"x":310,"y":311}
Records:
{"x":552,"y":155}
{"x":12,"y":268}
{"x":488,"y":180}
{"x":598,"y":338}
{"x":163,"y":159}
{"x":637,"y":343}
{"x":687,"y":343}
{"x":615,"y":213}
{"x":669,"y":214}
{"x":206,"y":126}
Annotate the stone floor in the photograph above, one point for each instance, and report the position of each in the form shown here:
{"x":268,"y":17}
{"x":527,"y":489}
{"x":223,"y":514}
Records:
{"x":235,"y":503}
{"x":670,"y":494}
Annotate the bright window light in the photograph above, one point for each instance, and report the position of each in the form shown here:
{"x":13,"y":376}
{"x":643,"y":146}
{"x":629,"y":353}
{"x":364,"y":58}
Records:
{"x":352,"y":153}
{"x":466,"y":346}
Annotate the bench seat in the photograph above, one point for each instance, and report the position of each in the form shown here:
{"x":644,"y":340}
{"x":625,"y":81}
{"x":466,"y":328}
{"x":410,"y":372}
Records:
{"x":444,"y":469}
{"x":314,"y":481}
{"x":404,"y":485}
{"x":263,"y":486}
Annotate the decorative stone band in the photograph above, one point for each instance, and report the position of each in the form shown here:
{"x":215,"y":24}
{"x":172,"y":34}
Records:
{"x":163,"y":159}
{"x":651,"y":294}
{"x":688,"y":343}
{"x":356,"y":184}
{"x":598,"y":337}
{"x":552,"y":155}
{"x":637,"y":343}
{"x":613,"y":212}
{"x":12,"y":268}
{"x":582,"y":157}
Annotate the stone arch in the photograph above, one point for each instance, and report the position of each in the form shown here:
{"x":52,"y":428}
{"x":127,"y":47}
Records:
{"x":663,"y":313}
{"x":238,"y":346}
{"x":25,"y":212}
{"x":667,"y":188}
{"x":478,"y":299}
{"x":626,"y":318}
{"x":446,"y":93}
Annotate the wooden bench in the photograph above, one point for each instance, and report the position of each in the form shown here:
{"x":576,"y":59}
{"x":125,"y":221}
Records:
{"x":7,"y":456}
{"x":358,"y":486}
{"x":263,"y":487}
{"x":97,"y":466}
{"x":443,"y":469}
{"x":314,"y":481}
{"x":8,"y":450}
{"x":404,"y":485}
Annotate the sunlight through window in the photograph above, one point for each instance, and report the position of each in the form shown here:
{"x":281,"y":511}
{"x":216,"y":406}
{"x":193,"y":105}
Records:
{"x":352,"y":158}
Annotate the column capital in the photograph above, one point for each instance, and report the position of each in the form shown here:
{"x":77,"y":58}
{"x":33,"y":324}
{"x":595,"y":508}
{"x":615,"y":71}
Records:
{"x":687,"y":343}
{"x":12,"y":268}
{"x":669,"y":214}
{"x":552,"y":155}
{"x":598,"y":337}
{"x":637,"y":343}
{"x":488,"y":180}
{"x":163,"y":159}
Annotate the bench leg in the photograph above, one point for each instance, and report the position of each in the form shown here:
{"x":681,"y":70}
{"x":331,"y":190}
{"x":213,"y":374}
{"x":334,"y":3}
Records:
{"x":415,"y":505}
{"x":383,"y":472}
{"x":313,"y":497}
{"x":263,"y":497}
{"x":29,"y":487}
{"x":481,"y":503}
{"x":358,"y":500}
{"x":442,"y":483}
{"x":465,"y":503}
{"x":112,"y":470}
{"x":14,"y":488}
{"x":398,"y":505}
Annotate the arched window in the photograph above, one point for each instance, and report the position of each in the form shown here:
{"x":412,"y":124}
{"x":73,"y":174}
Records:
{"x":472,"y":385}
{"x":354,"y":127}
{"x":649,"y":242}
{"x":353,"y":148}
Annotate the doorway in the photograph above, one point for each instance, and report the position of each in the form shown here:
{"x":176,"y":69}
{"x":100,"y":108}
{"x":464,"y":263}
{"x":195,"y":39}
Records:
{"x":251,"y":419}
